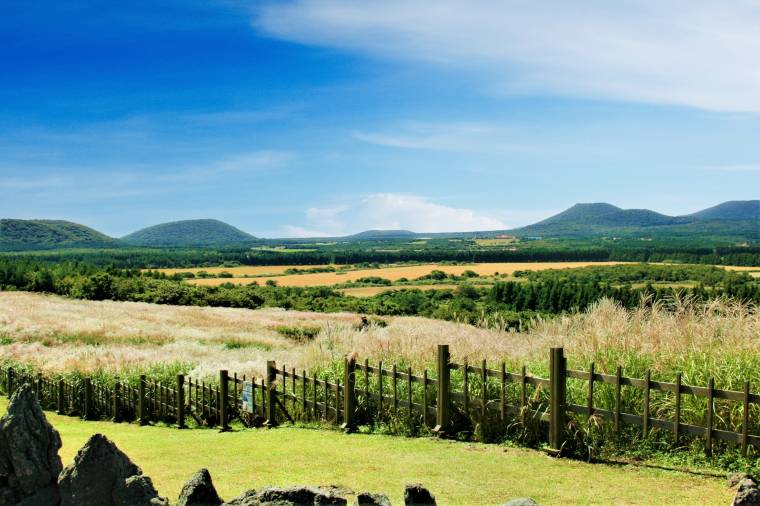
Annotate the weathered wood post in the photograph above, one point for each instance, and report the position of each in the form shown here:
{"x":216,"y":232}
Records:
{"x":271,"y":395}
{"x":116,"y":402}
{"x":224,"y":399}
{"x":349,"y":395}
{"x":142,"y":417}
{"x":443,"y":411}
{"x":557,"y":405}
{"x":9,"y":382}
{"x":180,"y":401}
{"x":87,"y":415}
{"x":61,"y":401}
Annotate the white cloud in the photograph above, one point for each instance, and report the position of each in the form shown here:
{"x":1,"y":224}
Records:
{"x":696,"y":53}
{"x":392,"y":211}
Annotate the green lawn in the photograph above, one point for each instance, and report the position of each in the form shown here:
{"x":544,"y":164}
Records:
{"x":457,"y":473}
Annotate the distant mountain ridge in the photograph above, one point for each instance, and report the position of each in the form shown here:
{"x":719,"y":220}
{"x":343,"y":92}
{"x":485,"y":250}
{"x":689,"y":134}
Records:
{"x":383,"y":234}
{"x":600,"y":217}
{"x":735,"y":219}
{"x":188,"y":233}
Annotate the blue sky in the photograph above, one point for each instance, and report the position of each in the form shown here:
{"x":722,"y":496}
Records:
{"x":327,"y":117}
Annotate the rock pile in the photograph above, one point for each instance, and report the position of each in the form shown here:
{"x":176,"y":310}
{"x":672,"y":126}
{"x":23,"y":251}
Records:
{"x":199,"y":491}
{"x":747,"y":494}
{"x":29,"y":461}
{"x":103,"y":474}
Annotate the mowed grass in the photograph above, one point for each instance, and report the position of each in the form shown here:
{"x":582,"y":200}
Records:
{"x":393,"y":273}
{"x":457,"y":473}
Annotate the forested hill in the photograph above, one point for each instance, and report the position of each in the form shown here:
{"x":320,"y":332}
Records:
{"x":204,"y":233}
{"x":48,"y":234}
{"x":737,"y":219}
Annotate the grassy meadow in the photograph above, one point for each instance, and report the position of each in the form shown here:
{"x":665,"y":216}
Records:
{"x":58,"y":334}
{"x":457,"y":473}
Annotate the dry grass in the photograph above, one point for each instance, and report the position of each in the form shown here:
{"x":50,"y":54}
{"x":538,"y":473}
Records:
{"x":57,"y":334}
{"x":61,"y":334}
{"x":394,"y":273}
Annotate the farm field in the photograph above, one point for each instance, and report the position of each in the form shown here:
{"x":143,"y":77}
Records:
{"x":393,"y":273}
{"x":369,"y":291}
{"x":245,"y":270}
{"x":486,"y":474}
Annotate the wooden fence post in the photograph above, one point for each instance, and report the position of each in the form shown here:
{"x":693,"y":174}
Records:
{"x":180,"y":401}
{"x":60,"y":405}
{"x":709,"y":416}
{"x":558,"y":379}
{"x":141,"y":413}
{"x":443,"y":413}
{"x":87,"y":415}
{"x":349,"y":395}
{"x":9,"y":382}
{"x":271,"y":395}
{"x":116,"y":402}
{"x":40,"y":390}
{"x":224,"y":421}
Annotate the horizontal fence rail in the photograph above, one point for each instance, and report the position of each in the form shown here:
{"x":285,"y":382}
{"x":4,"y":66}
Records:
{"x":454,"y":400}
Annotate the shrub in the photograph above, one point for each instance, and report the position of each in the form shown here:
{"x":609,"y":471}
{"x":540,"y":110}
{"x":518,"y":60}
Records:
{"x":298,"y":333}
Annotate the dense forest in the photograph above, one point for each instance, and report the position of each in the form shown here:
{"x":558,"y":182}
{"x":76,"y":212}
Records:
{"x":385,"y":252}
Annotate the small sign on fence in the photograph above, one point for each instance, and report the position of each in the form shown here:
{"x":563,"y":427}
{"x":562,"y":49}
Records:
{"x":248,"y":397}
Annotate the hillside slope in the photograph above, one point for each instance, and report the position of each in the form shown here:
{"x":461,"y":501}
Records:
{"x":188,"y":233}
{"x":19,"y":235}
{"x":731,"y":210}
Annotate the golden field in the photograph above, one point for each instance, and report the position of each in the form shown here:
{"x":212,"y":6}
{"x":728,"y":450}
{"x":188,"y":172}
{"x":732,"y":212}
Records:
{"x":393,"y":273}
{"x":245,"y":270}
{"x":369,"y":291}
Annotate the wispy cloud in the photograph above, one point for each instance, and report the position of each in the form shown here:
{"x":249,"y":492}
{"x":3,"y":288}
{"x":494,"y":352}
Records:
{"x":748,"y":167}
{"x":696,"y":53}
{"x":472,"y":137}
{"x":129,"y":181}
{"x":391,"y":211}
{"x":32,"y":183}
{"x":255,"y":162}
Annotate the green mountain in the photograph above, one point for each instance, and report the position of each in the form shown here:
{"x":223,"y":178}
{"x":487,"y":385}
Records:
{"x":579,"y":213}
{"x":20,"y":235}
{"x":383,"y":234}
{"x":736,"y":220}
{"x":188,"y":233}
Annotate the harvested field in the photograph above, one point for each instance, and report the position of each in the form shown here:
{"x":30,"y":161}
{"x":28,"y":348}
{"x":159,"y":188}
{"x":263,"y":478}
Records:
{"x":369,"y":291}
{"x":245,"y":270}
{"x":395,"y":273}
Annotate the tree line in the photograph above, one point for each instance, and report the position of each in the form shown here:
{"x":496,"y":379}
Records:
{"x":511,"y":303}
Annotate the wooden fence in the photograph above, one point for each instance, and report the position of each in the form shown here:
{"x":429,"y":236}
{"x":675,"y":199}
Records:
{"x":460,"y":398}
